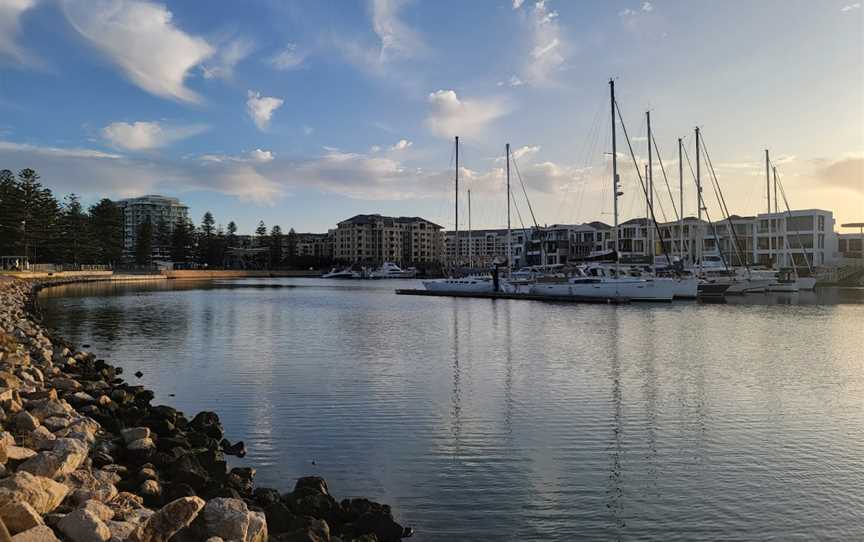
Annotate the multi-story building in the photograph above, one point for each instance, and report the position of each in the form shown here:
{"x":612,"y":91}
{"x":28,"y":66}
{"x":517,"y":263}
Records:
{"x":153,"y":209}
{"x":313,"y":245}
{"x":375,"y":239}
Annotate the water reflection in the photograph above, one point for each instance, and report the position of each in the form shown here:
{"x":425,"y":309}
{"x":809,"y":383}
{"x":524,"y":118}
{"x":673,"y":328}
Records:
{"x":511,"y":420}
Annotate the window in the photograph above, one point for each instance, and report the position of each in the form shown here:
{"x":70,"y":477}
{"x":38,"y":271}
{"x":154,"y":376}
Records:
{"x":800,"y":223}
{"x":821,"y":223}
{"x":821,"y":239}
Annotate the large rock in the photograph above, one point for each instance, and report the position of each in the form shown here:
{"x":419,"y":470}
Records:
{"x":42,"y":533}
{"x":40,"y":438}
{"x":20,"y":516}
{"x":82,"y":525}
{"x":65,"y":384}
{"x":135,"y":433}
{"x":230,"y":519}
{"x":24,"y":422}
{"x":42,"y":494}
{"x":162,"y":525}
{"x":65,"y":458}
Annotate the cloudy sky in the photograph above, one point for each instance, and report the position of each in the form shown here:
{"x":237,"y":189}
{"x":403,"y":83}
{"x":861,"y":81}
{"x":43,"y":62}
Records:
{"x":303,"y":113}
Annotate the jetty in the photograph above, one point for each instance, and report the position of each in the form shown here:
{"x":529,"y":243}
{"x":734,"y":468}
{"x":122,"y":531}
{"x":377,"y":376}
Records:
{"x":530,"y":297}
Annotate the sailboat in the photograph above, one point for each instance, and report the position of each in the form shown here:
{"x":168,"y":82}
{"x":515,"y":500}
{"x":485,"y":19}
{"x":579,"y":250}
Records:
{"x":603,"y":282}
{"x":471,"y":284}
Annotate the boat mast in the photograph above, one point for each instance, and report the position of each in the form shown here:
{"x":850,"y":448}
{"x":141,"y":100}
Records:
{"x":781,"y":257}
{"x":649,"y":178}
{"x":647,"y":221}
{"x":700,"y":238}
{"x":680,"y":202}
{"x":768,"y":192}
{"x":509,"y":241}
{"x":470,"y":250}
{"x":456,"y":258}
{"x":615,"y":191}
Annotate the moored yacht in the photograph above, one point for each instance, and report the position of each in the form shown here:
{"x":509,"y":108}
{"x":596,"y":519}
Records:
{"x":346,"y":273}
{"x":599,"y":282}
{"x":390,"y":270}
{"x":472,"y":284}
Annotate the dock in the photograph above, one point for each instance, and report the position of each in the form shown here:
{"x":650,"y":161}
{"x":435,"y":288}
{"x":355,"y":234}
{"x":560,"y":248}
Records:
{"x":529,"y":297}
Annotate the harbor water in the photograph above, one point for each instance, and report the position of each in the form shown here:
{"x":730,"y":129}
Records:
{"x":490,"y":420}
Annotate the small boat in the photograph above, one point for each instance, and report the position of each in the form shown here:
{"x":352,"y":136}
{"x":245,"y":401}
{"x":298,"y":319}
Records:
{"x":346,"y":273}
{"x":474,"y":284}
{"x":390,"y":270}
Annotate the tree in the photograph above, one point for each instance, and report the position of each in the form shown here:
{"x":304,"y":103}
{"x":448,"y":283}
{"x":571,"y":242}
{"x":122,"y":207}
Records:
{"x":39,"y":216}
{"x":144,"y":243}
{"x":207,"y":224}
{"x":291,"y":256}
{"x":76,"y":246}
{"x":232,"y":234}
{"x":276,"y":246}
{"x":11,"y":215}
{"x":106,"y":232}
{"x":261,"y":230}
{"x":162,"y":239}
{"x":182,"y":240}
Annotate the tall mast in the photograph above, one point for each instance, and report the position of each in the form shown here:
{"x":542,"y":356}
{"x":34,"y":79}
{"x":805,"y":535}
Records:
{"x":456,"y":260}
{"x":647,"y":220}
{"x":785,"y":248}
{"x":614,"y":175}
{"x":470,"y":248}
{"x":509,"y":241}
{"x":650,"y":180}
{"x":700,"y":238}
{"x":768,"y":192}
{"x":680,"y":202}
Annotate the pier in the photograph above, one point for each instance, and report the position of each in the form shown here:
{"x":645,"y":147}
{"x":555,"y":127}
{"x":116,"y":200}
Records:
{"x":531,"y":297}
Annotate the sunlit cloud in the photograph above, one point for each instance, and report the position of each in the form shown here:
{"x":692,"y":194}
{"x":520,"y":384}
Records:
{"x":451,"y":116}
{"x":143,"y":135}
{"x":261,"y":108}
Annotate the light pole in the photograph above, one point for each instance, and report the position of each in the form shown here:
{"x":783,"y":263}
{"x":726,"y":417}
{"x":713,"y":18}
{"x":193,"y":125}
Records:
{"x":24,"y":229}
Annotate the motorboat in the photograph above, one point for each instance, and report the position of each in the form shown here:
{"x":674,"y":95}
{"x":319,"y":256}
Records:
{"x":346,"y":273}
{"x":390,"y":270}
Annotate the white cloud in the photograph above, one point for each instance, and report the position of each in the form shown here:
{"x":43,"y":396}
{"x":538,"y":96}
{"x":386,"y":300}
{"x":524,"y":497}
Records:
{"x":259,"y":155}
{"x":647,"y":7}
{"x":527,"y":150}
{"x":9,"y":146}
{"x":850,"y":7}
{"x":401,"y":145}
{"x":518,"y":3}
{"x":222,"y":66}
{"x":449,"y":116}
{"x":288,"y":59}
{"x":547,"y":46}
{"x":626,"y":12}
{"x":141,"y":38}
{"x":142,"y":135}
{"x":10,"y":15}
{"x":398,"y":40}
{"x":261,"y":108}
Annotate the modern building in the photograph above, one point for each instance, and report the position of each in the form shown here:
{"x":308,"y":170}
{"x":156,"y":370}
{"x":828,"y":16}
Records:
{"x":313,"y":245}
{"x":374,"y":239}
{"x":153,"y":209}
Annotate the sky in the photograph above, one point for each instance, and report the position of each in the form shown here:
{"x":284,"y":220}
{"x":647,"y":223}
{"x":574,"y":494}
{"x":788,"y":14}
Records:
{"x":304,"y":113}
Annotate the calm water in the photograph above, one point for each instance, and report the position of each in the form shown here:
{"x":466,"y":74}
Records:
{"x":516,"y":420}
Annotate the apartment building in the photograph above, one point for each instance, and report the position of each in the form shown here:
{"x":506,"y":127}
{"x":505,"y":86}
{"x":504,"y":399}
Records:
{"x":313,"y":245}
{"x":374,"y":239}
{"x":153,"y":209}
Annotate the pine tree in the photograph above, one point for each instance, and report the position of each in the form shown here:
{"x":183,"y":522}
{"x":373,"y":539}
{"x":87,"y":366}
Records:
{"x":291,"y":256}
{"x":182,"y":240}
{"x":276,"y":246}
{"x":39,"y":216}
{"x":106,"y":232}
{"x":232,"y":234}
{"x":73,"y":226}
{"x":144,"y":243}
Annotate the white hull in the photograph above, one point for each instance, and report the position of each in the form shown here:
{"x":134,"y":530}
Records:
{"x":739,"y":285}
{"x":634,"y":290}
{"x":464,"y":285}
{"x":806,"y":283}
{"x":342,"y":275}
{"x":789,"y":287}
{"x":686,"y":288}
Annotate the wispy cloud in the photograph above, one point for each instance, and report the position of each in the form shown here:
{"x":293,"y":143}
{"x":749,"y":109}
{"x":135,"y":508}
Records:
{"x":398,"y":40}
{"x":141,"y":38}
{"x":850,"y":7}
{"x":144,"y":135}
{"x":547,"y":45}
{"x":261,"y":108}
{"x":450,"y":116}
{"x":10,"y":25}
{"x":289,"y":58}
{"x":223,"y":63}
{"x":401,"y":145}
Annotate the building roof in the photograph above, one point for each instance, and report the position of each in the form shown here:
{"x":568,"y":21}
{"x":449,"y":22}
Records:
{"x":389,"y":220}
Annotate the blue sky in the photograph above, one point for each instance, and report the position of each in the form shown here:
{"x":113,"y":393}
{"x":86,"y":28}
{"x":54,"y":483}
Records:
{"x":304,"y":113}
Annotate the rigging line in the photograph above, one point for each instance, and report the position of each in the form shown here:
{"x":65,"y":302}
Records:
{"x":644,"y":188}
{"x":789,"y":215}
{"x":705,"y":207}
{"x":524,"y":191}
{"x":665,"y":179}
{"x":724,"y":209}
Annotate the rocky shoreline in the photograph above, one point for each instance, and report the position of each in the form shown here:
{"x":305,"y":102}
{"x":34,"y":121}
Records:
{"x":84,"y":456}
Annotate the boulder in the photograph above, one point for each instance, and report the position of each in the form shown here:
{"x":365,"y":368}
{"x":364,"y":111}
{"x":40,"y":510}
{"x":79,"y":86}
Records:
{"x":42,"y":494}
{"x":65,"y":458}
{"x":98,"y":509}
{"x":40,"y":438}
{"x":120,"y":530}
{"x":42,"y":533}
{"x":135,"y":433}
{"x":24,"y":422}
{"x":65,"y":384}
{"x":315,"y":530}
{"x":227,"y":518}
{"x":82,"y":525}
{"x":19,"y":516}
{"x":162,"y":525}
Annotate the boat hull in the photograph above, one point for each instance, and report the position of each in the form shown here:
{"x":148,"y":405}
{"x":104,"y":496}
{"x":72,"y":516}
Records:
{"x":467,"y":285}
{"x":636,"y":290}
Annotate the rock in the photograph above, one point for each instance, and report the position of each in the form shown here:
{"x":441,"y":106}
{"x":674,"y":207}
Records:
{"x":86,"y":485}
{"x":316,"y":530}
{"x":257,"y":528}
{"x":207,"y":423}
{"x":42,"y":533}
{"x":42,"y":494}
{"x":227,"y":518}
{"x":162,"y":525}
{"x":66,"y":456}
{"x":65,"y":384}
{"x":135,"y":433}
{"x":40,"y":439}
{"x":4,"y":532}
{"x":82,"y":525}
{"x":19,"y":516}
{"x":120,"y":530}
{"x":46,"y":408}
{"x":315,"y":483}
{"x":24,"y":422}
{"x":98,"y":509}
{"x":150,"y":490}
{"x":18,"y":453}
{"x":56,"y":423}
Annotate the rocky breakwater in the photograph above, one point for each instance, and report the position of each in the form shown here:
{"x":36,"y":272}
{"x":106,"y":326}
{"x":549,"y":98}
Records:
{"x":84,"y":456}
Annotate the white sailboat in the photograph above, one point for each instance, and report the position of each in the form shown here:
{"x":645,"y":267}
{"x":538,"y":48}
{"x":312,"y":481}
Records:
{"x":390,"y":270}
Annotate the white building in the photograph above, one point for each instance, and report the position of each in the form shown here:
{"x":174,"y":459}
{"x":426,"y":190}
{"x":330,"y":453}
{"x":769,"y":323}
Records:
{"x":152,"y":208}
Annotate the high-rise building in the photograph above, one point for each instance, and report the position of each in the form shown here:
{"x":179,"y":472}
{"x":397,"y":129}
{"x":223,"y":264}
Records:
{"x":375,"y":239}
{"x":153,"y":209}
